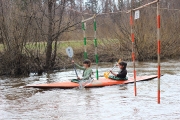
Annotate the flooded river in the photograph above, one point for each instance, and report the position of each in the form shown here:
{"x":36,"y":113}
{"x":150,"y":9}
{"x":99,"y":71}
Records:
{"x":106,"y":103}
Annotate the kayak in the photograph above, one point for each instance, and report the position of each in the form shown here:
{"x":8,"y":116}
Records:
{"x":101,"y":82}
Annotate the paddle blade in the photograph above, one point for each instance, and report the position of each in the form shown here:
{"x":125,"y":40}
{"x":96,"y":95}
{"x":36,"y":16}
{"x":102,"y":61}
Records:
{"x":119,"y":60}
{"x":69,"y":52}
{"x":106,"y":75}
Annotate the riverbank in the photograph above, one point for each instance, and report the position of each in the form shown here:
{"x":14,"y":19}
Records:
{"x":32,"y":57}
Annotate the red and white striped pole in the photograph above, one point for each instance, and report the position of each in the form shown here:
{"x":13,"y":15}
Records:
{"x":158,"y":50}
{"x":133,"y":51}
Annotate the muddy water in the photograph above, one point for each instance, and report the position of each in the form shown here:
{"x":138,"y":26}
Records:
{"x":106,"y":103}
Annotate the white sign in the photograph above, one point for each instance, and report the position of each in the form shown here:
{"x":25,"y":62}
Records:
{"x":69,"y":51}
{"x":137,"y":14}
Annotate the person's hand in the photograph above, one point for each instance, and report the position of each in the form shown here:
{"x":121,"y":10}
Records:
{"x":78,"y":78}
{"x":117,"y":64}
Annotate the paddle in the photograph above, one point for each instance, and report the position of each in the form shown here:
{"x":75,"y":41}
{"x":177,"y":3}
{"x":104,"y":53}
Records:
{"x":69,"y":52}
{"x":106,"y":74}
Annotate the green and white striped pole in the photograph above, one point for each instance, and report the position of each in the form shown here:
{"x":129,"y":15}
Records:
{"x":95,"y":45}
{"x":84,"y":34}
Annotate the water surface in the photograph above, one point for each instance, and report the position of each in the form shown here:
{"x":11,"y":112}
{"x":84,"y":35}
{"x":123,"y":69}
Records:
{"x":106,"y":103}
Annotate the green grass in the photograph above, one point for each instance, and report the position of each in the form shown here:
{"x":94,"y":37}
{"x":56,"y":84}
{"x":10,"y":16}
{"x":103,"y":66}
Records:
{"x":62,"y":45}
{"x":1,"y":47}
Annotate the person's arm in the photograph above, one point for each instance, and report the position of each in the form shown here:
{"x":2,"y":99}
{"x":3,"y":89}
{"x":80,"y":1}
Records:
{"x":88,"y":74}
{"x":113,"y":73}
{"x":79,"y":67}
{"x":120,"y":75}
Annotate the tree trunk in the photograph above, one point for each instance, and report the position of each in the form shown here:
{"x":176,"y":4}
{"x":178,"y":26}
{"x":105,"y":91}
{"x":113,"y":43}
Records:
{"x":50,"y":40}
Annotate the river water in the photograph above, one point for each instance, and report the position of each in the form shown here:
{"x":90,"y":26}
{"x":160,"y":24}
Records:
{"x":106,"y":103}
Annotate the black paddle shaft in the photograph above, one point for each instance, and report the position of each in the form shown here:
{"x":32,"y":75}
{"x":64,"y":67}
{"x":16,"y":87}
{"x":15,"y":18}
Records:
{"x":112,"y":68}
{"x":75,"y":70}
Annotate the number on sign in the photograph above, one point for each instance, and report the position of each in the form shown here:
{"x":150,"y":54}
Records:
{"x":137,"y":14}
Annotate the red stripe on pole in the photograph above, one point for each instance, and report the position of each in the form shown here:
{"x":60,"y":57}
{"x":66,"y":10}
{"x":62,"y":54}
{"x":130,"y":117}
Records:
{"x":131,"y":20}
{"x":132,"y":37}
{"x":159,"y":71}
{"x":159,"y":47}
{"x":158,"y":96}
{"x":135,"y":74}
{"x":133,"y":56}
{"x":158,"y":21}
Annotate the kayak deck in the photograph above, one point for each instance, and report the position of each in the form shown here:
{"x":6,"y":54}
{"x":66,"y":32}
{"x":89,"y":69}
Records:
{"x":96,"y":83}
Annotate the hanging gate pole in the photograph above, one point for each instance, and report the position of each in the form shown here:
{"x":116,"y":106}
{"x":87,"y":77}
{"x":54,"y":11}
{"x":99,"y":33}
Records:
{"x":95,"y":45}
{"x":158,"y":42}
{"x":85,"y":40}
{"x":133,"y":51}
{"x":158,"y":51}
{"x":84,"y":34}
{"x":95,"y":41}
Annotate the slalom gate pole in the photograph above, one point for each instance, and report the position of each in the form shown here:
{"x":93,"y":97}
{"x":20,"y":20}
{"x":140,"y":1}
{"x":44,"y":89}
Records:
{"x":85,"y":40}
{"x":95,"y":45}
{"x":133,"y":50}
{"x":158,"y":51}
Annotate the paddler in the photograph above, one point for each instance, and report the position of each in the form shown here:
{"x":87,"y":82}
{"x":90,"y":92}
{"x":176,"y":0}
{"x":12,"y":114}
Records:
{"x":121,"y":75}
{"x":87,"y":71}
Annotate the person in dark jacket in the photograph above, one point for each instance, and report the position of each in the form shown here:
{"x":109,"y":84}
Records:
{"x":122,"y":74}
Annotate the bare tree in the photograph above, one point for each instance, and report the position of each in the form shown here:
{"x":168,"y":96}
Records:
{"x":58,"y":21}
